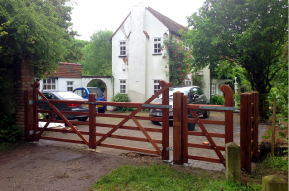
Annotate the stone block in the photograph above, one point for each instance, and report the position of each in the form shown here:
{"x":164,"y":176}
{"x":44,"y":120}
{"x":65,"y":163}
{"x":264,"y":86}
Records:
{"x":233,"y":162}
{"x":274,"y":182}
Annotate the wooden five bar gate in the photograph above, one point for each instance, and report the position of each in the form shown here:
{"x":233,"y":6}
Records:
{"x":248,"y":136}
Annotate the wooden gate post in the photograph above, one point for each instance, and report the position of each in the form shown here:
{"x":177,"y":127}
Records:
{"x":228,"y":114}
{"x":245,"y":131}
{"x":92,"y":129}
{"x":185,"y":148}
{"x":165,"y":123}
{"x":28,"y":95}
{"x":255,"y":156}
{"x":35,"y":113}
{"x":178,"y":128}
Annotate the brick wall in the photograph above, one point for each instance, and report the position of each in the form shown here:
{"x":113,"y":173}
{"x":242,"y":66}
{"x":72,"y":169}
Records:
{"x":23,"y":78}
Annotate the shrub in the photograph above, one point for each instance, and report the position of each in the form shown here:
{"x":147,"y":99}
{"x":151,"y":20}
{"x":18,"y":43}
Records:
{"x":217,"y":100}
{"x":9,"y":131}
{"x":121,"y":98}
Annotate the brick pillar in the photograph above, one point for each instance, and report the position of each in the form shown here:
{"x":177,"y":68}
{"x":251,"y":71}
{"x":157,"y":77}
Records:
{"x":23,"y":77}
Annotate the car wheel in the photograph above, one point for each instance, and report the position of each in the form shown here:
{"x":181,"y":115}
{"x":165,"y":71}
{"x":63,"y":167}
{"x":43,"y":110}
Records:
{"x":101,"y":110}
{"x":206,"y":114}
{"x":82,"y":118}
{"x":155,"y":122}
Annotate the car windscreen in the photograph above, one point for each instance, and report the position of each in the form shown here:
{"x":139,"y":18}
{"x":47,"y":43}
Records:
{"x":68,"y":95}
{"x":184,"y":90}
{"x":171,"y":91}
{"x":96,"y":91}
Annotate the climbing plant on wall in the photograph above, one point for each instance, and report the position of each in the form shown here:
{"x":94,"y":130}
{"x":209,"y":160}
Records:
{"x":180,"y":59}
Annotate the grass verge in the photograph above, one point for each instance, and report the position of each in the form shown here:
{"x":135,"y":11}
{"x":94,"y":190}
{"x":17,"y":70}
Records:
{"x":272,"y":165}
{"x":165,"y":177}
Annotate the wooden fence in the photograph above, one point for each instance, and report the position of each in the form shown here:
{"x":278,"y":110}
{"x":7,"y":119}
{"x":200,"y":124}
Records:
{"x":249,"y":129}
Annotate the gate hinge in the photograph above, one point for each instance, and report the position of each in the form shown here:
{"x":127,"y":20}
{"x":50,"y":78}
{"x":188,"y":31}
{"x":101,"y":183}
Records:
{"x":31,"y":132}
{"x":94,"y":103}
{"x":37,"y":101}
{"x":161,"y":148}
{"x":169,"y":148}
{"x":219,"y":108}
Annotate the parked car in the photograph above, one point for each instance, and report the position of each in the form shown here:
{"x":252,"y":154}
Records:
{"x":58,"y":95}
{"x":99,"y":96}
{"x":195,"y":96}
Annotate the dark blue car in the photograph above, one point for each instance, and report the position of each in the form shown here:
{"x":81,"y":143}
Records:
{"x":84,"y":92}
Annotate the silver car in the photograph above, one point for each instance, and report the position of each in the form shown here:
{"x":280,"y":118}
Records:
{"x":58,"y":95}
{"x":195,"y":96}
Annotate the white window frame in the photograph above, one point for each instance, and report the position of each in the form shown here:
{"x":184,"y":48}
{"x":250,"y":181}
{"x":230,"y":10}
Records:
{"x":157,"y":41}
{"x":122,"y":48}
{"x":46,"y":84}
{"x":188,"y":82}
{"x":156,"y":85}
{"x":122,"y":86}
{"x":68,"y":85}
{"x":213,"y":88}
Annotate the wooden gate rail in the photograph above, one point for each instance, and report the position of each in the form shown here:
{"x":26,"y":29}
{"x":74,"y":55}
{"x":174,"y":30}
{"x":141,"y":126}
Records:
{"x":181,"y":145}
{"x":249,"y":129}
{"x":92,"y":143}
{"x":164,"y":153}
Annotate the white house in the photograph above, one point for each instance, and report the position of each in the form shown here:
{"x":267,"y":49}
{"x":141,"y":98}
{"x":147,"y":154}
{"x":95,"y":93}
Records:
{"x":137,"y":63}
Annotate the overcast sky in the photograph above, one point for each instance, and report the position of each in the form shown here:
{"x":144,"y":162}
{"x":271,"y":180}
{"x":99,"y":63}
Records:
{"x":89,"y":16}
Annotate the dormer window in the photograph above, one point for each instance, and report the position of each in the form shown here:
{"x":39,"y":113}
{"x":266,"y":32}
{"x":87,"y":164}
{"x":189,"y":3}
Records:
{"x":122,"y":45}
{"x":157,"y":45}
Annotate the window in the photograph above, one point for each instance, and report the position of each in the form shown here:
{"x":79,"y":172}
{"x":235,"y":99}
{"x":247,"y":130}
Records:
{"x":98,"y":92}
{"x":49,"y":96}
{"x":157,"y":45}
{"x":78,"y":92}
{"x":157,"y":87}
{"x":200,"y":92}
{"x":122,"y":86}
{"x":213,"y":88}
{"x":122,"y":45}
{"x":188,"y":82}
{"x":194,"y":91}
{"x":49,"y":84}
{"x":69,"y":86}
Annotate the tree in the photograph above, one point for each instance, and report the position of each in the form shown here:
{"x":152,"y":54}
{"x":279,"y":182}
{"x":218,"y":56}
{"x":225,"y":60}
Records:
{"x":97,"y":54}
{"x":179,"y":60}
{"x":75,"y":54}
{"x":250,"y":33}
{"x":37,"y":31}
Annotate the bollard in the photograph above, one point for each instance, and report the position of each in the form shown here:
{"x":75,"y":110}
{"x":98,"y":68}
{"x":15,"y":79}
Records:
{"x":233,"y":162}
{"x":274,"y":182}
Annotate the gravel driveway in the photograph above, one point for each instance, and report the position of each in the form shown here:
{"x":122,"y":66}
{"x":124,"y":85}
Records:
{"x":51,"y":165}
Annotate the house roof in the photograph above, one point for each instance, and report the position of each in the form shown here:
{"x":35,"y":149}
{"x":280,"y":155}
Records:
{"x":173,"y":26}
{"x":119,"y":27}
{"x":68,"y":70}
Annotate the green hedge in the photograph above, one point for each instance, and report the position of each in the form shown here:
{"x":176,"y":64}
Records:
{"x":9,"y":131}
{"x":121,"y":98}
{"x":217,"y":100}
